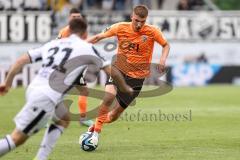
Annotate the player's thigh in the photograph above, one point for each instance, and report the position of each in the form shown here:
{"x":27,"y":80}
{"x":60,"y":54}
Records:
{"x":62,"y":114}
{"x":34,"y":115}
{"x":123,"y":99}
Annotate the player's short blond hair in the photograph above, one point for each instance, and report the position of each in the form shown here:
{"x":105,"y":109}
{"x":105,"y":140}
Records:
{"x":141,"y":11}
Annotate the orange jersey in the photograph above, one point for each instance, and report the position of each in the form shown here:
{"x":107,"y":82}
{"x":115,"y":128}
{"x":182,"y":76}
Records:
{"x":135,"y":49}
{"x":64,"y":32}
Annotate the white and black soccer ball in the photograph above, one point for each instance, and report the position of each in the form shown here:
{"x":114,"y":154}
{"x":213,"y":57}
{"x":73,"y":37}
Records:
{"x":88,"y":142}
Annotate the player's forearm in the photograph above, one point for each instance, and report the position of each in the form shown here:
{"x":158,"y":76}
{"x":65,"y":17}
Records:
{"x":165,"y":52}
{"x":95,"y":38}
{"x":16,"y":68}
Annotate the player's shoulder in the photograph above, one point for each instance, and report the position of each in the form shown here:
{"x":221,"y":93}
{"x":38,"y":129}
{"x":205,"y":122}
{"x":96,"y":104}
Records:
{"x":64,"y":32}
{"x":65,"y":29}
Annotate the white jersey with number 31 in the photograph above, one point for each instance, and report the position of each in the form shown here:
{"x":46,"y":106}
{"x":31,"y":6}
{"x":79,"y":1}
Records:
{"x":54,"y":55}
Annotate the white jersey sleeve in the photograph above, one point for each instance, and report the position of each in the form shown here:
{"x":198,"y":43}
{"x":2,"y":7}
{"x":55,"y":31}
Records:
{"x":35,"y":54}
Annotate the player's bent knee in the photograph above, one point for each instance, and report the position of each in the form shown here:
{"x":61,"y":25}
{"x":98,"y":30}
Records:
{"x":65,"y":121}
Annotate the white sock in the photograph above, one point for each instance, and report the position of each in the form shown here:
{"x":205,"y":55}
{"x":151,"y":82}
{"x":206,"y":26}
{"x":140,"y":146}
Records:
{"x":6,"y":145}
{"x":49,"y":140}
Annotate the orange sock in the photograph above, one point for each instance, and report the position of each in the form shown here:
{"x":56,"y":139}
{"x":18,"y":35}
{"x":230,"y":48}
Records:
{"x":82,"y":105}
{"x":102,"y":117}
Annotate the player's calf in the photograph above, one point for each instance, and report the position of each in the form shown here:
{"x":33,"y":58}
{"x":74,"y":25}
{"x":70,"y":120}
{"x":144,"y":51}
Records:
{"x":18,"y":137}
{"x":114,"y":114}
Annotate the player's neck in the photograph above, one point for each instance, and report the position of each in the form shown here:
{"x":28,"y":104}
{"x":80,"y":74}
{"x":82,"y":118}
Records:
{"x":134,"y":28}
{"x":81,"y":36}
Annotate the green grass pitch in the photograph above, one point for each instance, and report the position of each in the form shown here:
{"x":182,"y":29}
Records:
{"x":200,"y":123}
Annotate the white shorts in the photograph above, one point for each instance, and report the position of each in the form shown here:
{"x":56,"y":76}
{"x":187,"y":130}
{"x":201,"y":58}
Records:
{"x":36,"y":113}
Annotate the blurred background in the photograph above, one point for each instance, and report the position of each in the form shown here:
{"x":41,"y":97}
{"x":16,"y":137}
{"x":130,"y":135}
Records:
{"x":204,"y":34}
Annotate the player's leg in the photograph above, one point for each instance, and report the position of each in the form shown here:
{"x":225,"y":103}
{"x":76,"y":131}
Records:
{"x":10,"y":142}
{"x":82,"y":107}
{"x":53,"y":132}
{"x":33,"y":117}
{"x":82,"y":101}
{"x":108,"y":99}
{"x":115,"y":113}
{"x":123,"y":101}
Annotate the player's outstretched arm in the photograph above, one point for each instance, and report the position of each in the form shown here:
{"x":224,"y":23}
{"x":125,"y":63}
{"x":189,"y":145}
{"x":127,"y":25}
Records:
{"x":118,"y":78}
{"x":96,"y":38}
{"x":15,"y":69}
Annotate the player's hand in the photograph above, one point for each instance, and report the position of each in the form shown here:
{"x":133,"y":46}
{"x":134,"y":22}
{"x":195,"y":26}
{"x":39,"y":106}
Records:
{"x":161,"y":67}
{"x":3,"y":89}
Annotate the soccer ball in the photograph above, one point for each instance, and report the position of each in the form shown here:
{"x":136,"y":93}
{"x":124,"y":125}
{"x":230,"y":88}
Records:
{"x":88,"y":142}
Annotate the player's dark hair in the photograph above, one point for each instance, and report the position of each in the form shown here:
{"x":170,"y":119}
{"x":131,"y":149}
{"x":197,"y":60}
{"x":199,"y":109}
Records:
{"x":78,"y":26}
{"x":74,"y":10}
{"x":141,"y":11}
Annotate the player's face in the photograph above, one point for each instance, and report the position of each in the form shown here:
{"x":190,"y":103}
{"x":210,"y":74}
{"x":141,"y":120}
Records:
{"x":137,"y":22}
{"x":74,"y":15}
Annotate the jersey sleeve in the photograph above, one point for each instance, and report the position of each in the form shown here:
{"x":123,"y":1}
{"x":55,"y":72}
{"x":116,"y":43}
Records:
{"x":35,"y":55}
{"x":111,"y":31}
{"x":159,"y":37}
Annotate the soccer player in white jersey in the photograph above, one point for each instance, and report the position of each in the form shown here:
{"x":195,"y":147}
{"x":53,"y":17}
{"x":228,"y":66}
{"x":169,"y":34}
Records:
{"x":43,"y":100}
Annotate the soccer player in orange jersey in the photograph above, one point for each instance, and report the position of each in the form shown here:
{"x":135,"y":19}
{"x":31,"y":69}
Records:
{"x":82,"y":99}
{"x":135,"y":48}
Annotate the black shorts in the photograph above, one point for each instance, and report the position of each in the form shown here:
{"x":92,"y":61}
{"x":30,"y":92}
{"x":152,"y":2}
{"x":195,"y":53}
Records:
{"x":124,"y":99}
{"x":82,"y":81}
